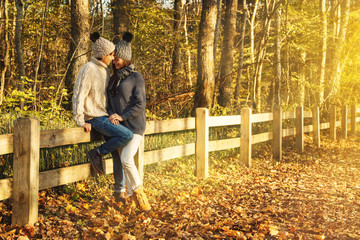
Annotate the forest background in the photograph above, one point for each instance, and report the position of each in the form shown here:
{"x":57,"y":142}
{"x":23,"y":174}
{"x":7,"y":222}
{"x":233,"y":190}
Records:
{"x":220,"y":54}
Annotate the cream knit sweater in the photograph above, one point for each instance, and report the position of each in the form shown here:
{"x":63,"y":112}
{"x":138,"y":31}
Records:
{"x":89,"y":97}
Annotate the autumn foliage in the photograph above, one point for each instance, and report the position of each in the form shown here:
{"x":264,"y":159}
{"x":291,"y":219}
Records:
{"x":314,"y":195}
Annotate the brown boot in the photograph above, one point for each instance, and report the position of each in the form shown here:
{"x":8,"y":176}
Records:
{"x":142,"y":200}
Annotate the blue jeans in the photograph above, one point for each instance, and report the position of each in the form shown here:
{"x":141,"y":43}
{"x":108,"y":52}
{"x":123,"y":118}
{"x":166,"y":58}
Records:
{"x":119,"y":185}
{"x":116,"y":136}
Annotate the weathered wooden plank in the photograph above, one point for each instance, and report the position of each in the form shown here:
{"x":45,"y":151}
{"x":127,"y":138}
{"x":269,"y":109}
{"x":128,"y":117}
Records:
{"x":5,"y":188}
{"x":261,"y":117}
{"x":66,"y":175}
{"x":289,"y":132}
{"x":217,"y":121}
{"x":308,"y":128}
{"x":6,"y":143}
{"x":171,"y":125}
{"x":324,"y":125}
{"x":262,"y":137}
{"x":26,"y":171}
{"x":224,"y":144}
{"x":289,"y":115}
{"x":68,"y":136}
{"x":307,"y":114}
{"x":168,"y":153}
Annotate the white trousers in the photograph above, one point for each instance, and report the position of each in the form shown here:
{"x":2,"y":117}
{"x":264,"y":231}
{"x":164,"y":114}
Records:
{"x":132,"y":177}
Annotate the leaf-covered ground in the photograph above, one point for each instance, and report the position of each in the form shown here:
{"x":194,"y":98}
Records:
{"x":314,"y":195}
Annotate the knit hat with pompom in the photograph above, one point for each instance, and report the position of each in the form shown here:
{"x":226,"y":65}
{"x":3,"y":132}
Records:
{"x":101,"y":46}
{"x":123,"y":48}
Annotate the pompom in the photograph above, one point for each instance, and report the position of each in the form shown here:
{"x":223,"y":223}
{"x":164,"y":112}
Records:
{"x":94,"y":36}
{"x":127,"y":37}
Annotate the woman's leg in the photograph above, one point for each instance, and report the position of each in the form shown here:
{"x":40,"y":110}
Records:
{"x":132,"y":177}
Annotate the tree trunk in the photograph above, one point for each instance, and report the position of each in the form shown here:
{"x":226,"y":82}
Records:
{"x":302,"y":80}
{"x":277,"y":58}
{"x":241,"y":49}
{"x":5,"y":8}
{"x":37,"y":66}
{"x":121,"y":18}
{"x":320,"y":91}
{"x":287,"y":56}
{"x":261,"y":55}
{"x":217,"y":29}
{"x":333,"y":34}
{"x":188,"y":53}
{"x":345,"y":14}
{"x":176,"y":56}
{"x":79,"y":46}
{"x":227,"y":54}
{"x":18,"y":43}
{"x":205,"y":80}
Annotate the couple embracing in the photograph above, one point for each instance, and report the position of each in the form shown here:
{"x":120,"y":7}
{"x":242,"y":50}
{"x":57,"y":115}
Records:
{"x":114,"y":106}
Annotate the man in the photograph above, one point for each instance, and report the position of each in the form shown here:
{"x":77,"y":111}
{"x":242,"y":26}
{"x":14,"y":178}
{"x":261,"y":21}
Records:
{"x":90,"y":102}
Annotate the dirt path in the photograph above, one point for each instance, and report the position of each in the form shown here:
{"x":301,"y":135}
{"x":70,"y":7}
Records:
{"x":315,"y":195}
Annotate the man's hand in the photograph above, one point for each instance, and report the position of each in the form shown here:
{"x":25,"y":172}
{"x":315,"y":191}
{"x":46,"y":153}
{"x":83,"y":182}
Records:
{"x":115,"y":119}
{"x":87,"y":127}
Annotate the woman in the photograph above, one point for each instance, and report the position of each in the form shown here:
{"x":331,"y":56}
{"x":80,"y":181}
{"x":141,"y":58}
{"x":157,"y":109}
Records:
{"x":127,"y":99}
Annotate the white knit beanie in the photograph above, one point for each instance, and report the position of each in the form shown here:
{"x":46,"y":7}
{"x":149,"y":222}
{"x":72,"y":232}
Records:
{"x":101,"y":46}
{"x":123,"y":48}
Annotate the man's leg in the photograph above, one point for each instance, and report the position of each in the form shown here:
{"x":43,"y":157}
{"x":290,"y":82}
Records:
{"x":119,"y":185}
{"x":117,"y":136}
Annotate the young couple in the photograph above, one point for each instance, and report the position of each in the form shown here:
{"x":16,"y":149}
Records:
{"x":115,"y":107}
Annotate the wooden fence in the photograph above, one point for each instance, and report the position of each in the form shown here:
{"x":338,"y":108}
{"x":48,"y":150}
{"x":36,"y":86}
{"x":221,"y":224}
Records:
{"x":27,"y":140}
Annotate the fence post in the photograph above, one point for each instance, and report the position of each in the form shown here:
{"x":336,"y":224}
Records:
{"x":139,"y":159}
{"x":333,"y":122}
{"x":344,"y":121}
{"x":202,"y":142}
{"x":300,"y":129}
{"x":26,"y":171}
{"x":316,"y":126}
{"x":245,"y":137}
{"x":353,"y":120}
{"x":277,"y":133}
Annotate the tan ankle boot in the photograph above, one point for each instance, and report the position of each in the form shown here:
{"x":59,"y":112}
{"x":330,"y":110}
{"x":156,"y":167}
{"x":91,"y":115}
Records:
{"x":142,"y":200}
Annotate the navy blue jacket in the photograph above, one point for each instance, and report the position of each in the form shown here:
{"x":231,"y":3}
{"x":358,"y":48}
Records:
{"x":130,"y":103}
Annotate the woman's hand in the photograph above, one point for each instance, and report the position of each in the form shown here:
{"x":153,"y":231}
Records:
{"x":115,"y":119}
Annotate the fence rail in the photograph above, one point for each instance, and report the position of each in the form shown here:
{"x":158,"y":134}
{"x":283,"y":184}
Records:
{"x":27,"y":140}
